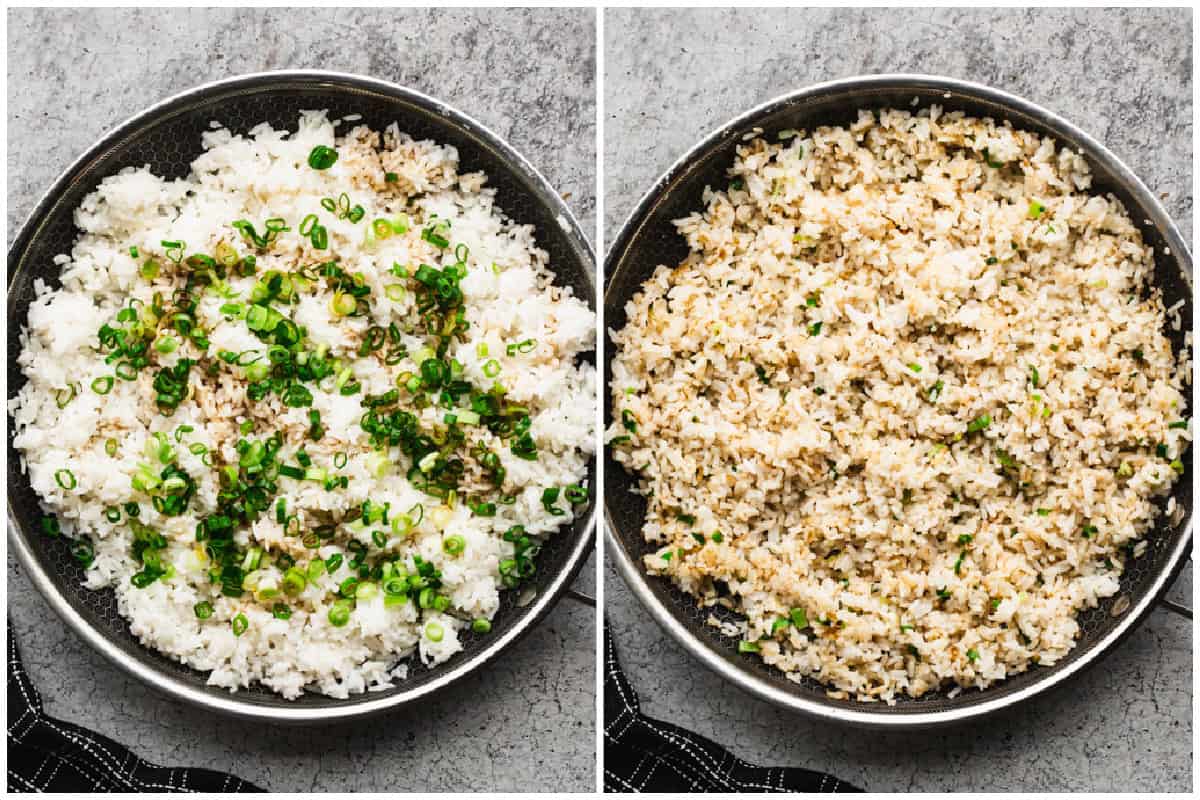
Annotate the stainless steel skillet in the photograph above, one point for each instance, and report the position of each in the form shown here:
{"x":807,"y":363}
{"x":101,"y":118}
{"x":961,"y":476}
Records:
{"x":648,"y":238}
{"x":167,"y":137}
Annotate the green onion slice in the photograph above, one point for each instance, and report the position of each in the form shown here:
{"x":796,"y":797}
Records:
{"x":322,"y":157}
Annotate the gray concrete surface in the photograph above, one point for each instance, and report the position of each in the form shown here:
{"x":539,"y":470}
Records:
{"x":1123,"y":75}
{"x":526,"y":724}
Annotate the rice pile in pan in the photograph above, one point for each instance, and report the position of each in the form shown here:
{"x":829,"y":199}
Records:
{"x":906,"y":405}
{"x":309,"y":410}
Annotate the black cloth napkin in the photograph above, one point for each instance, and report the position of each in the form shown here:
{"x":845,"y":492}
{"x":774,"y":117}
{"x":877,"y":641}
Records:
{"x":49,"y":755}
{"x":645,"y":755}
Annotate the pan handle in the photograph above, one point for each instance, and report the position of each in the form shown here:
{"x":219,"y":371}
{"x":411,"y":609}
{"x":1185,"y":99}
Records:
{"x":587,"y":600}
{"x":1171,"y":605}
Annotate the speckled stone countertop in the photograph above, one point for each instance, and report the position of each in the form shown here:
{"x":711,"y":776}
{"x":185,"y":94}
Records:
{"x":528,"y":721}
{"x":1122,"y":75}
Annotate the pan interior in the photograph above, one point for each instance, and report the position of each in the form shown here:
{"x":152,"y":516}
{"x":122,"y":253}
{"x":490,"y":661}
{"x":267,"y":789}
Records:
{"x":168,"y":142}
{"x":649,"y":239}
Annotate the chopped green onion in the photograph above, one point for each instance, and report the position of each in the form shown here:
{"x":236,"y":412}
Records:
{"x":110,"y":446}
{"x":104,"y":385}
{"x":84,"y":553}
{"x":748,"y":647}
{"x":915,"y":367}
{"x":315,"y":569}
{"x":252,"y":559}
{"x":1043,"y":512}
{"x":972,"y":654}
{"x":256,"y":372}
{"x":203,"y":609}
{"x":454,"y":545}
{"x":433,"y":234}
{"x":434,"y":632}
{"x":549,"y":498}
{"x":125,"y":371}
{"x":294,"y":582}
{"x":799,"y":618}
{"x":492,"y":368}
{"x":1179,"y":425}
{"x":979,"y":423}
{"x":322,"y":157}
{"x":65,"y":479}
{"x":381,"y":228}
{"x":521,"y":347}
{"x":1034,"y":378}
{"x":481,"y":625}
{"x":174,"y":250}
{"x":343,"y":304}
{"x":1035,"y":209}
{"x":65,"y":396}
{"x":239,"y":624}
{"x":50,"y":527}
{"x":339,"y":614}
{"x":149,"y":269}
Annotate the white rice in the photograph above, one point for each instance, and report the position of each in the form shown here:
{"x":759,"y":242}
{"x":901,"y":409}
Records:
{"x":923,"y":555}
{"x":509,"y":297}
